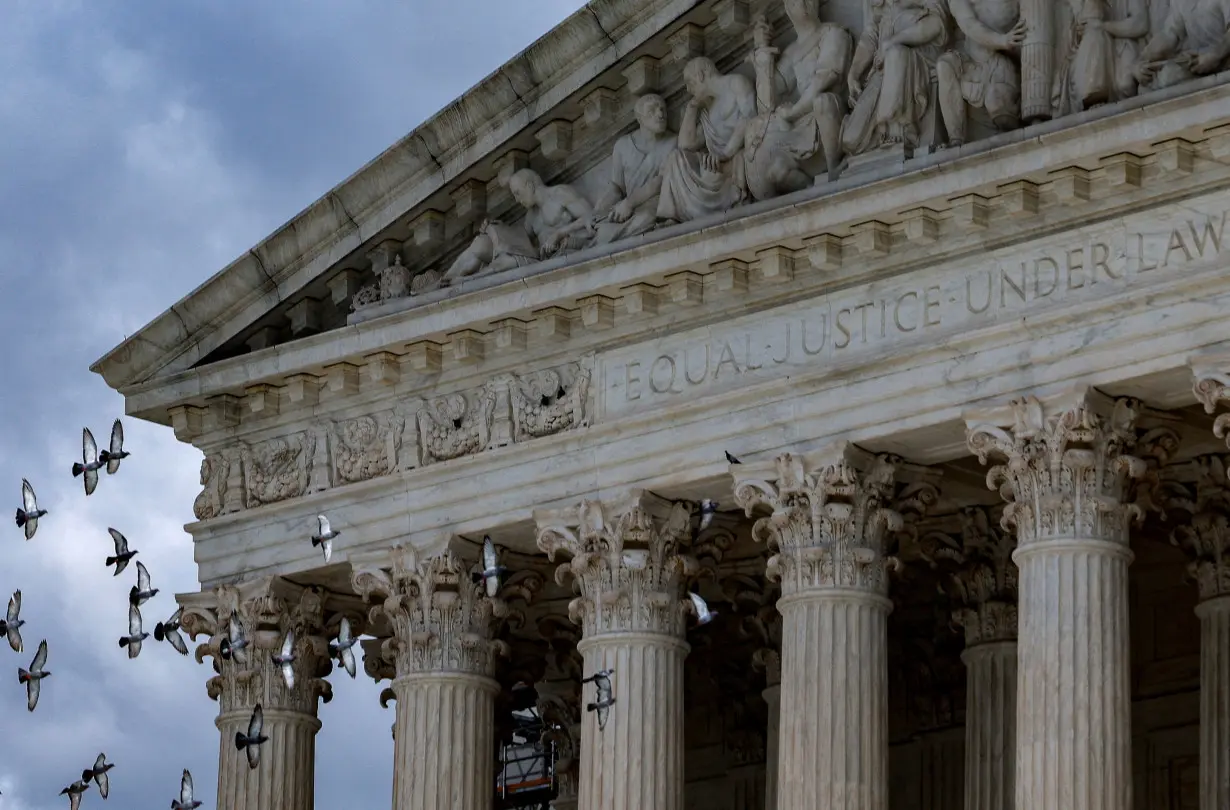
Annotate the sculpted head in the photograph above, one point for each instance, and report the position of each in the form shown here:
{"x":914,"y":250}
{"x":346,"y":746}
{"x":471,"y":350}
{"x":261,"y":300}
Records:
{"x":696,"y":76}
{"x":651,"y":113}
{"x":798,"y":10}
{"x":524,"y":186}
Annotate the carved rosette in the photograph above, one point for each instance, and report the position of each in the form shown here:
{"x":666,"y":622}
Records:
{"x":1067,"y":471}
{"x":1200,"y":491}
{"x":441,"y":619}
{"x":266,"y":610}
{"x":628,"y":563}
{"x":831,"y":517}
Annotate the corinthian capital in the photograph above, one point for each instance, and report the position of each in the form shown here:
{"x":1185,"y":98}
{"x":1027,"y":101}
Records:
{"x":1212,"y":388}
{"x":267,"y":609}
{"x":1068,"y":466}
{"x":627,"y":560}
{"x":831,"y":515}
{"x":1199,"y":492}
{"x":440,"y":618}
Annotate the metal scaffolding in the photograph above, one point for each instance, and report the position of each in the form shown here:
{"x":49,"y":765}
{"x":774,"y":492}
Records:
{"x":527,"y":774}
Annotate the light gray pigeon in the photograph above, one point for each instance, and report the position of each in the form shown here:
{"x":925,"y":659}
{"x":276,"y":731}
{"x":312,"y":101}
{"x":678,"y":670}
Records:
{"x":703,"y":614}
{"x":168,"y":631}
{"x":33,"y":678}
{"x":116,"y":453}
{"x":342,"y":648}
{"x":11,"y":624}
{"x":235,"y":644}
{"x":74,"y":792}
{"x":122,"y":554}
{"x":29,"y":513}
{"x":252,"y":741}
{"x":602,"y":681}
{"x":90,"y":464}
{"x":99,"y":774}
{"x":708,"y":508}
{"x":185,"y":801}
{"x":324,"y":537}
{"x":285,"y":659}
{"x":135,"y":633}
{"x":492,"y":571}
{"x":141,"y":593}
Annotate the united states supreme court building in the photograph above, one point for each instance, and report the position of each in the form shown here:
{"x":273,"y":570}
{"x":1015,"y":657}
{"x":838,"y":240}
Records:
{"x":932,"y":297}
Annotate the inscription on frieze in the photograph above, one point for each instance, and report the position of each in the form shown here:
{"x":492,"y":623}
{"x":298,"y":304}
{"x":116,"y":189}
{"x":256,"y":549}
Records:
{"x":861,"y":324}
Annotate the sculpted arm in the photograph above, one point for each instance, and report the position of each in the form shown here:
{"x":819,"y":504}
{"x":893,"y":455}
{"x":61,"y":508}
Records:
{"x":1134,"y":25}
{"x":1165,"y":43}
{"x":826,"y":78}
{"x":616,"y":190}
{"x":745,"y":100}
{"x":928,"y":29}
{"x":972,"y":27}
{"x":690,"y":138}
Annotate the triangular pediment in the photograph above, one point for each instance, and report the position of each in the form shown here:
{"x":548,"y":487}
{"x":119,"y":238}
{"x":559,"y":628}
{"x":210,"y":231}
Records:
{"x":381,"y":240}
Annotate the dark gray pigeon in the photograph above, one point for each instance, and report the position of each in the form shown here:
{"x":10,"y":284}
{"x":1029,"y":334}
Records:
{"x":33,"y":679}
{"x":122,"y":554}
{"x":74,"y":792}
{"x":168,"y":631}
{"x":185,"y":801}
{"x":601,"y":680}
{"x":492,"y":571}
{"x":11,"y":624}
{"x":116,"y":453}
{"x":285,"y":659}
{"x":29,"y":513}
{"x":99,"y":774}
{"x":141,"y":592}
{"x":135,"y":633}
{"x":235,"y":644}
{"x":731,"y":459}
{"x":324,"y":537}
{"x":90,"y":464}
{"x":252,"y":741}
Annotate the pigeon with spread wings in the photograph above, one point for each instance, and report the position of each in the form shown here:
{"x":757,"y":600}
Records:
{"x":11,"y":624}
{"x":185,"y":801}
{"x":99,"y":774}
{"x":252,"y":741}
{"x":324,"y":537}
{"x":29,"y":513}
{"x":141,"y":593}
{"x":135,"y":632}
{"x":89,"y":464}
{"x":285,"y":659}
{"x":168,"y":631}
{"x":602,"y":681}
{"x":74,"y":792}
{"x":342,"y":648}
{"x":492,"y":572}
{"x":122,"y":553}
{"x":33,"y":678}
{"x":116,"y":453}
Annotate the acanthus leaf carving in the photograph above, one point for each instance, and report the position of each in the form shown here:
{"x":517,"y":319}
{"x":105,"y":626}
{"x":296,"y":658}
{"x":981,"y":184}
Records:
{"x":1199,"y":492}
{"x":550,"y":401}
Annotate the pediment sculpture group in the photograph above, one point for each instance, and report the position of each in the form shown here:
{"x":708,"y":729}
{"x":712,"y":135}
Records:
{"x":917,"y":76}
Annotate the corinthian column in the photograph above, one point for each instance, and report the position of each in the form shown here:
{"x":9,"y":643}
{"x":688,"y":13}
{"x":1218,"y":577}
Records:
{"x":443,"y":660}
{"x":830,"y":515}
{"x":266,"y":609}
{"x":1067,"y":482}
{"x":627,"y":565}
{"x":1199,"y":491}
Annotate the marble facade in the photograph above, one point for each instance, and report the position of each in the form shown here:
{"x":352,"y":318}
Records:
{"x":946,"y":278}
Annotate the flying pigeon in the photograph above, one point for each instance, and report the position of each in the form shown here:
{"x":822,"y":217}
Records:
{"x":324,"y":537}
{"x":141,"y":592}
{"x":116,"y":453}
{"x":135,"y":634}
{"x":74,"y":792}
{"x":708,"y":508}
{"x":731,"y":459}
{"x":235,"y":644}
{"x":29,"y":513}
{"x":703,"y":614}
{"x":342,"y":647}
{"x":185,"y":802}
{"x":286,"y":659}
{"x":34,"y":678}
{"x":169,"y":631}
{"x":99,"y":774}
{"x":12,"y":622}
{"x":90,"y":466}
{"x":251,"y":742}
{"x":602,"y":680}
{"x":492,"y":570}
{"x":122,"y":554}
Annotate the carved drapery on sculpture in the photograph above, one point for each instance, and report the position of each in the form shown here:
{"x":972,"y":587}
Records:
{"x":414,"y":432}
{"x":266,"y":609}
{"x":1198,"y":500}
{"x":629,"y":562}
{"x":832,"y":514}
{"x":441,"y":619}
{"x":1067,"y":470}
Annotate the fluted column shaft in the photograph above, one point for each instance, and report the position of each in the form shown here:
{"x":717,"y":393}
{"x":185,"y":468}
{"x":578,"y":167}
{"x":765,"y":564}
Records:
{"x":990,"y":726}
{"x":834,"y":739}
{"x":1214,"y":702}
{"x":1074,"y":709}
{"x":772,"y":696}
{"x":445,"y":748}
{"x":636,"y":762}
{"x":285,"y":778}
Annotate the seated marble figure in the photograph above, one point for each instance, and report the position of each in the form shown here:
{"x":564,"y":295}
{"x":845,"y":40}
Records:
{"x":557,"y":221}
{"x":1193,"y":40}
{"x":630,"y":204}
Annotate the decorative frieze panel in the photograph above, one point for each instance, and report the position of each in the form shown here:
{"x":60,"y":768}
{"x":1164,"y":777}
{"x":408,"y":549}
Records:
{"x":456,"y":425}
{"x":277,"y":469}
{"x":366,"y":447}
{"x":549,"y":401}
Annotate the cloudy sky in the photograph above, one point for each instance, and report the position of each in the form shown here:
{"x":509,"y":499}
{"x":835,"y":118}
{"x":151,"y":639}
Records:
{"x":144,"y":144}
